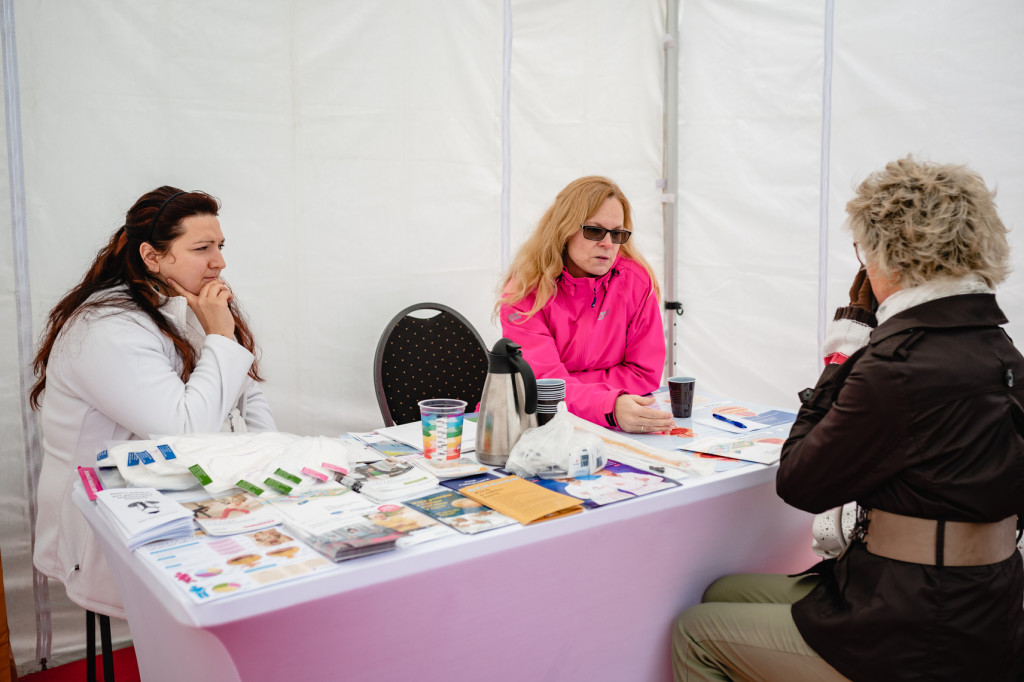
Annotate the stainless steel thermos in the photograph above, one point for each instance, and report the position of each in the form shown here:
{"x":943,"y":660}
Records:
{"x":509,"y":403}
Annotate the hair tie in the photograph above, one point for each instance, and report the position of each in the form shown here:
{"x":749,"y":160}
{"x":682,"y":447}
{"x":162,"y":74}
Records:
{"x":152,"y":225}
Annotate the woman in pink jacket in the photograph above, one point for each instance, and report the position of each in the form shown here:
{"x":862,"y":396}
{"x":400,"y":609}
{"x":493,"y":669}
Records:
{"x":585,"y":307}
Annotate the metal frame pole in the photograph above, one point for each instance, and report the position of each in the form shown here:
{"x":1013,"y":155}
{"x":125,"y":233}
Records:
{"x":670,"y":180}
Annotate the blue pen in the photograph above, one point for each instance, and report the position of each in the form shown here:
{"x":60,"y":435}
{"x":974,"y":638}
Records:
{"x":738,"y":425}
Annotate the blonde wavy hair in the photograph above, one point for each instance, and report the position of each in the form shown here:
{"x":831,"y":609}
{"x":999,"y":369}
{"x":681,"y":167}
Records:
{"x":919,"y":221}
{"x":540,"y":260}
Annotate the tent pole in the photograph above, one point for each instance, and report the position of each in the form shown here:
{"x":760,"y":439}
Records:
{"x":670,"y":179}
{"x":23,"y":304}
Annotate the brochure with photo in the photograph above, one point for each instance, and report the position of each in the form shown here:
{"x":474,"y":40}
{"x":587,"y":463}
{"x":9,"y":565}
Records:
{"x":209,"y":567}
{"x":460,"y":512}
{"x":229,"y":514}
{"x":614,"y":483}
{"x":357,"y":536}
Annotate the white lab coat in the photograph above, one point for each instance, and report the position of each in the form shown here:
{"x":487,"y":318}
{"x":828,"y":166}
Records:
{"x":113,"y":376}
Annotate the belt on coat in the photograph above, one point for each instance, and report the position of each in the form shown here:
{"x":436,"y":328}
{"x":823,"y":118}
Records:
{"x":939,"y":543}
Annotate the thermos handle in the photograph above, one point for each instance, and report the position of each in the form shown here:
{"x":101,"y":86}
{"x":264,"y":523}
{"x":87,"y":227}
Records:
{"x":515,"y":357}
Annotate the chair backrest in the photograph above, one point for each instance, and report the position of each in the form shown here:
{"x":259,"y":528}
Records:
{"x":418,"y":358}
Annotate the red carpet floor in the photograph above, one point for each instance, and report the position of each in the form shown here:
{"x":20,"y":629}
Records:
{"x":126,"y":669}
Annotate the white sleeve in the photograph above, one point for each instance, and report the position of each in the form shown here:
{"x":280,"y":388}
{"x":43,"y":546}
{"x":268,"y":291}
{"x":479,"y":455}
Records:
{"x":256,"y":412}
{"x":123,"y":366}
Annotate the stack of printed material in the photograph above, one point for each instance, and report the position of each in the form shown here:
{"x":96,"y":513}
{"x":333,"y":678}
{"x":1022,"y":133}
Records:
{"x":388,"y":479}
{"x":359,"y":536}
{"x":141,"y":515}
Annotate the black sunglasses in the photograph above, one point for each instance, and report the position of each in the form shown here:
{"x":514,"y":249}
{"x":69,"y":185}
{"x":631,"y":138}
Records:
{"x":596,"y":234}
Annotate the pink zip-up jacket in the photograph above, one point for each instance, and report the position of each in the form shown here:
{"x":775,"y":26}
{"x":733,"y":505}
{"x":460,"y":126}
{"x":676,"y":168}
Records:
{"x":602,"y":335}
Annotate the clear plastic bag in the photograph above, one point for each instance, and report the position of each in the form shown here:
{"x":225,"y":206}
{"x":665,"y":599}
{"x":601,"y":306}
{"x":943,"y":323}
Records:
{"x":556,"y":450}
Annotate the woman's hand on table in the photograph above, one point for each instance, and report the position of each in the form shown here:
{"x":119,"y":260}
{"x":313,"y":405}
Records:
{"x":633,"y":415}
{"x":211,"y":306}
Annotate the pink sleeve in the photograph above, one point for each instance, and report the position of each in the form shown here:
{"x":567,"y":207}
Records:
{"x":591,"y":401}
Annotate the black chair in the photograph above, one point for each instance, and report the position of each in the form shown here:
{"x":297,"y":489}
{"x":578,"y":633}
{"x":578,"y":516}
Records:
{"x":105,"y":643}
{"x":418,"y":358}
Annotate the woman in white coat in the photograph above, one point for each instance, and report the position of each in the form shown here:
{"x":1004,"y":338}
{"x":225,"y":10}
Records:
{"x":150,"y":342}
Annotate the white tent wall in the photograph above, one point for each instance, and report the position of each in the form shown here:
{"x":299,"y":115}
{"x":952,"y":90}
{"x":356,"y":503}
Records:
{"x":358,"y":150}
{"x":587,"y":100}
{"x":941,"y":80}
{"x":750,"y":77}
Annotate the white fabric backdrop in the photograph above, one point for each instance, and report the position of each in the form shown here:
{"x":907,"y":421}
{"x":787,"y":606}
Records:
{"x":357,"y":148}
{"x":942,"y":80}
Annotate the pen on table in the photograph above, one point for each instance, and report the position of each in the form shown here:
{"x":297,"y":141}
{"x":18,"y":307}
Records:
{"x":737,"y":424}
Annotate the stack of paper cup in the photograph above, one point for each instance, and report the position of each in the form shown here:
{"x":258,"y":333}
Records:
{"x":550,"y":392}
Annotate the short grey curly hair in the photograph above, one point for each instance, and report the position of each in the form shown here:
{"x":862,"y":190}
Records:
{"x":919,"y":221}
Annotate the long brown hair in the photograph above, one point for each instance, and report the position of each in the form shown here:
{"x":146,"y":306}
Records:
{"x":541,"y":258}
{"x":155,"y":218}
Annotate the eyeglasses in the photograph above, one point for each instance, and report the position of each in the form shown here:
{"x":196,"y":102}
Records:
{"x":596,"y":234}
{"x":856,"y":250}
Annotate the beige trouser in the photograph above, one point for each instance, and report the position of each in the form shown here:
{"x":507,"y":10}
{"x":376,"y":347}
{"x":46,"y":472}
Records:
{"x":744,"y":630}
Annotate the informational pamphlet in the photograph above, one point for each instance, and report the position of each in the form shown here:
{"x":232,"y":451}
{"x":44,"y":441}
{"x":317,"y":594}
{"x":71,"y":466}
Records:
{"x":460,"y":512}
{"x":614,"y":483}
{"x":524,"y":501}
{"x":704,"y":440}
{"x":389,"y":479}
{"x":453,"y":468}
{"x":358,"y":536}
{"x":238,"y":513}
{"x":417,"y":526}
{"x":210,"y":567}
{"x":141,"y":515}
{"x":412,"y":434}
{"x":322,"y":508}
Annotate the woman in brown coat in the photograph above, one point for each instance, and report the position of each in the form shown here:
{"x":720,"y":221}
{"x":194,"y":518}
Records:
{"x":923,"y":427}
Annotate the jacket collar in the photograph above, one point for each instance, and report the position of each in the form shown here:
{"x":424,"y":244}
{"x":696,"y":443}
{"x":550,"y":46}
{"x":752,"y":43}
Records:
{"x":588,"y":283}
{"x":175,"y":309}
{"x":966,"y":310}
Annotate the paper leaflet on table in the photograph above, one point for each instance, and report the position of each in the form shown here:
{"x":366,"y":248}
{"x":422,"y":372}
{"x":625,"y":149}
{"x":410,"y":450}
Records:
{"x":614,"y":483}
{"x":207,"y":568}
{"x":389,"y":479}
{"x":141,"y":515}
{"x":453,"y":468}
{"x":417,"y":526}
{"x":522,"y":500}
{"x":623,"y":448}
{"x":748,"y":425}
{"x":702,"y":434}
{"x":321,"y":508}
{"x":358,"y":536}
{"x":385,"y":446}
{"x":460,"y":512}
{"x":240,"y":512}
{"x":412,"y":434}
